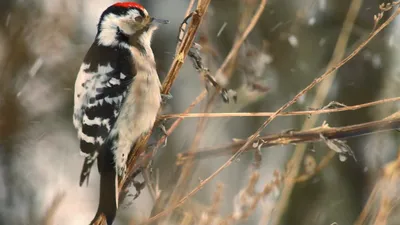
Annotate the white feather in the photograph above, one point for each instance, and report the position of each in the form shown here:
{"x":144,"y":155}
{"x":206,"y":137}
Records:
{"x":97,"y":121}
{"x":85,"y":137}
{"x":141,"y":106}
{"x":86,"y":86}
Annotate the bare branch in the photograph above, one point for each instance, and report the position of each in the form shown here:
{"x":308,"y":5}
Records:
{"x":253,"y":137}
{"x":267,"y":114}
{"x":296,"y":137}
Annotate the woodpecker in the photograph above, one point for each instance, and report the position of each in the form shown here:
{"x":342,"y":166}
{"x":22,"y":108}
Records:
{"x":117,"y":96}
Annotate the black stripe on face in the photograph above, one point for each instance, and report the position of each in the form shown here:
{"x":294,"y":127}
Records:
{"x":141,"y":12}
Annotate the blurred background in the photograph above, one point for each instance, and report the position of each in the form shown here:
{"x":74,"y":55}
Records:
{"x":43,"y":42}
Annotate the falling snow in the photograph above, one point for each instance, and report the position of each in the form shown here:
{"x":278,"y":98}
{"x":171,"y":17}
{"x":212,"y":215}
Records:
{"x":293,"y":41}
{"x":311,"y":21}
{"x":322,"y":5}
{"x":322,"y":42}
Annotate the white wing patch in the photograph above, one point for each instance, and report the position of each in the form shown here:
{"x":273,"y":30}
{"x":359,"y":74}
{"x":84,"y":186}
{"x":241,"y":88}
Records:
{"x":87,"y":86}
{"x":97,"y":121}
{"x":114,"y":81}
{"x":79,"y":95}
{"x":84,"y":137}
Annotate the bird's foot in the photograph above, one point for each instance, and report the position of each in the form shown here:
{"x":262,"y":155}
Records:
{"x":164,"y":132}
{"x":166,"y":97}
{"x":121,"y":170}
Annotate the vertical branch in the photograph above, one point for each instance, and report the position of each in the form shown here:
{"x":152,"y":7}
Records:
{"x":187,"y":43}
{"x":253,"y":137}
{"x":228,"y":61}
{"x":320,"y":96}
{"x":189,"y":166}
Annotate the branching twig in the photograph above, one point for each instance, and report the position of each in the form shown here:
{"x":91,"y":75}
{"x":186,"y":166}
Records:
{"x":187,"y":43}
{"x":386,"y":190}
{"x":320,"y":96}
{"x":267,"y":114}
{"x":228,"y":60}
{"x":252,"y":138}
{"x":295,"y":137}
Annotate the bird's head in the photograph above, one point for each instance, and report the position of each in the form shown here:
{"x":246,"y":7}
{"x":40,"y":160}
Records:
{"x":123,"y":20}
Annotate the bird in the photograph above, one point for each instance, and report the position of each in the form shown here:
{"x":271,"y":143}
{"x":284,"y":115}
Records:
{"x":117,"y":96}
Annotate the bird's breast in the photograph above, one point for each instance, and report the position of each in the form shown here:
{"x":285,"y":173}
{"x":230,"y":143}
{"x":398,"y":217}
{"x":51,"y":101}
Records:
{"x":142,"y":102}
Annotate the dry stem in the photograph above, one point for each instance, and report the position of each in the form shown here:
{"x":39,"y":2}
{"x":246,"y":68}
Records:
{"x":231,"y":56}
{"x":252,"y":138}
{"x":296,"y":137}
{"x":268,"y":114}
{"x":320,"y":97}
{"x":183,"y":180}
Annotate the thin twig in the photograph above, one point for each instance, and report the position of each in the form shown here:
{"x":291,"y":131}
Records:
{"x":182,"y":183}
{"x":268,"y":114}
{"x":187,"y":43}
{"x":296,"y":137}
{"x":179,"y":120}
{"x":368,"y":206}
{"x":256,"y":134}
{"x":234,"y":51}
{"x":189,"y":8}
{"x":236,"y":47}
{"x":320,"y":96}
{"x":323,"y":164}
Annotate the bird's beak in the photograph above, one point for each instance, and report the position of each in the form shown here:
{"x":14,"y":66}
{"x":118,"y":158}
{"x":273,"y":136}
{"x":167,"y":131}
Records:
{"x":158,"y":21}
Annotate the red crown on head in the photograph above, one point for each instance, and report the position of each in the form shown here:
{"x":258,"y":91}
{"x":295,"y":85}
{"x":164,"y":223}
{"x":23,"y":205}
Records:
{"x":129,"y":5}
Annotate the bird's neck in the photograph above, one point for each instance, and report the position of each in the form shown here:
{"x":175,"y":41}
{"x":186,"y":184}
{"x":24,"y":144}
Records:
{"x":113,"y":36}
{"x":108,"y":36}
{"x":142,"y":39}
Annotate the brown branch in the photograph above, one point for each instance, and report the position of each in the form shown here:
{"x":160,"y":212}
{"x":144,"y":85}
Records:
{"x":228,"y":59}
{"x":185,"y":170}
{"x":187,"y":43}
{"x":296,"y":137}
{"x":267,"y":114}
{"x":179,"y":120}
{"x":253,"y":137}
{"x":320,"y":96}
{"x":369,"y":205}
{"x":322,"y":164}
{"x":387,"y":183}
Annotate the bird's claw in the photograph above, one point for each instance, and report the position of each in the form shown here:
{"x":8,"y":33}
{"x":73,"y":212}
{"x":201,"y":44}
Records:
{"x":165,"y":133}
{"x":166,"y":97}
{"x":121,"y":171}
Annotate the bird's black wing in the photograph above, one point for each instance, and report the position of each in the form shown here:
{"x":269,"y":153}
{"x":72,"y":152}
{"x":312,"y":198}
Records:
{"x":100,"y":90}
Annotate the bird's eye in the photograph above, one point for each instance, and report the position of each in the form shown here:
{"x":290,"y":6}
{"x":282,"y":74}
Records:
{"x":139,"y":19}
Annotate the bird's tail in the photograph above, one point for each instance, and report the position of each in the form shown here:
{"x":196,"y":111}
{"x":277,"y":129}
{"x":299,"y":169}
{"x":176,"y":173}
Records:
{"x":87,"y":166}
{"x":108,"y":202}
